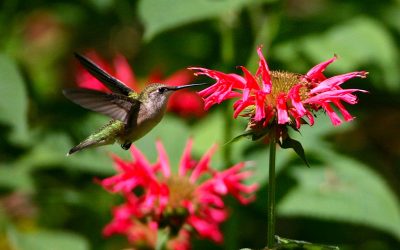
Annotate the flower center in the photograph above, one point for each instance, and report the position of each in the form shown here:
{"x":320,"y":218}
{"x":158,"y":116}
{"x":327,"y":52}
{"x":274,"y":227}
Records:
{"x":180,"y":188}
{"x":282,"y":82}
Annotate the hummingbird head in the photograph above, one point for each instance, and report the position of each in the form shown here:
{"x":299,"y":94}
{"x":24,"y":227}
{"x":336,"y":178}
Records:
{"x":158,"y":94}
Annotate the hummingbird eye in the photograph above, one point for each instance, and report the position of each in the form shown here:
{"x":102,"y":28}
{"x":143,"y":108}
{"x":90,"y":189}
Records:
{"x":162,"y":90}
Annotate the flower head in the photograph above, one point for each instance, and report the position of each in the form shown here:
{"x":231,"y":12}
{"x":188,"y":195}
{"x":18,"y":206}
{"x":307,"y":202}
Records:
{"x":184,"y":103}
{"x":271,"y":98}
{"x":186,"y":202}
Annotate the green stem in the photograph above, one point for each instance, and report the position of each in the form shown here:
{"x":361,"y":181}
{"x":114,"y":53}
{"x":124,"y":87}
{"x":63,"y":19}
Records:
{"x":227,"y":149}
{"x":271,"y":194}
{"x":227,"y":56}
{"x":162,"y":239}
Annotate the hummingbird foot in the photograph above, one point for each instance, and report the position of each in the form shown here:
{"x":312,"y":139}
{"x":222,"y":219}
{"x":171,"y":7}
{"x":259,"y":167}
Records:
{"x":126,"y":145}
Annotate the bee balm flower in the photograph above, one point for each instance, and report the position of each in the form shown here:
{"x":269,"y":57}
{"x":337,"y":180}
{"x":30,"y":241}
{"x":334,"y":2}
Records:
{"x":276,"y":97}
{"x":184,"y":202}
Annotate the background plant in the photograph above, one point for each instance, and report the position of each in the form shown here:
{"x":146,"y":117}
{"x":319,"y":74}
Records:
{"x":349,"y":197}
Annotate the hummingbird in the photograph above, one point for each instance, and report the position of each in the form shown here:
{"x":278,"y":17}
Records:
{"x":133,"y":114}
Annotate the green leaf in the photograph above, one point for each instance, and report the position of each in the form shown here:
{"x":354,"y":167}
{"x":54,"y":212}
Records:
{"x":50,"y":152}
{"x":161,"y":15}
{"x":207,"y":132}
{"x":46,"y":240}
{"x":359,"y":42}
{"x":238,"y":137}
{"x":343,"y":190}
{"x":13,"y":100}
{"x":102,"y":5}
{"x":296,"y":146}
{"x":288,"y":244}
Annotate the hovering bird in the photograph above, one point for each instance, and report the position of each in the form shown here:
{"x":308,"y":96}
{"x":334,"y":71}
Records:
{"x":133,"y":114}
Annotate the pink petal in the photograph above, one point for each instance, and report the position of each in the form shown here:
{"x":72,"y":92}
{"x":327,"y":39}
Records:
{"x":333,"y":82}
{"x":206,"y":229}
{"x":209,"y":198}
{"x":240,"y":105}
{"x":260,"y":105}
{"x":294,"y":95}
{"x":121,"y":165}
{"x":202,"y":166}
{"x":346,"y":115}
{"x":315,"y":73}
{"x":282,"y":109}
{"x":141,"y":161}
{"x":310,"y":118}
{"x":332,"y":115}
{"x":186,"y":161}
{"x":251,"y":82}
{"x":217,"y":215}
{"x":234,"y":80}
{"x":163,"y":159}
{"x":220,"y":187}
{"x":342,"y":94}
{"x":263,"y":70}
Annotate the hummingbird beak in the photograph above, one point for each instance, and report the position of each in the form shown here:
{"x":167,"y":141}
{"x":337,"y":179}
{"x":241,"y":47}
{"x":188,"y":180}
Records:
{"x":173,"y":88}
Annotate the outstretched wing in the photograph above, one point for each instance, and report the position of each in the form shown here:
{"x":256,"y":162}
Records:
{"x":114,"y":105}
{"x":109,"y":81}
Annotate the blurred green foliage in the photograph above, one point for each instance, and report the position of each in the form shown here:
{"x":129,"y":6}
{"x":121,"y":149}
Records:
{"x":350,"y":195}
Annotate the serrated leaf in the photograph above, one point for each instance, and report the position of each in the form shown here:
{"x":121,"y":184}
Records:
{"x":161,"y":15}
{"x":13,"y":100}
{"x":343,"y":190}
{"x":46,"y":240}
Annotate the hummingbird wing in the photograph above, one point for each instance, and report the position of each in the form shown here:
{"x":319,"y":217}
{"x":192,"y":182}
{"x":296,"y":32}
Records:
{"x":109,"y":81}
{"x":114,"y":105}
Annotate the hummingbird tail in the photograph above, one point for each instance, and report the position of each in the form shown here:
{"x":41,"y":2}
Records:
{"x":80,"y":146}
{"x":89,"y":143}
{"x":104,"y":136}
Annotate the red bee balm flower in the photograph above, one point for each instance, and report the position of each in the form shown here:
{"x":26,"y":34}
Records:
{"x":184,"y":103}
{"x":271,"y":97}
{"x":184,"y":202}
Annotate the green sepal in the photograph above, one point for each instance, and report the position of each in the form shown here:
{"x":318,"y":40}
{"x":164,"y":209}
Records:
{"x":288,"y":142}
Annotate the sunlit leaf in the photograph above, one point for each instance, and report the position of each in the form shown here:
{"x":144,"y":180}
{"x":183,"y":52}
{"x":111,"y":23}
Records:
{"x":50,"y":152}
{"x":13,"y":100}
{"x":46,"y":240}
{"x":359,"y":42}
{"x":161,"y":15}
{"x":343,"y":190}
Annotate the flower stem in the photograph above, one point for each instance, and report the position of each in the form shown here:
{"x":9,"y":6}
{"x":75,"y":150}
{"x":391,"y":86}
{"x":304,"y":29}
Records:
{"x":271,"y":194}
{"x":227,"y":56}
{"x":162,"y":239}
